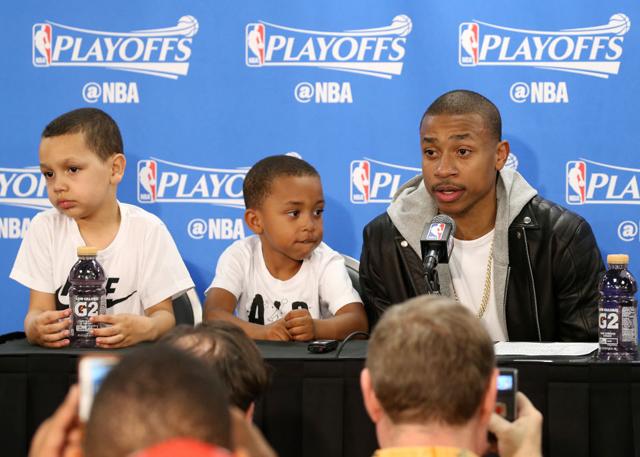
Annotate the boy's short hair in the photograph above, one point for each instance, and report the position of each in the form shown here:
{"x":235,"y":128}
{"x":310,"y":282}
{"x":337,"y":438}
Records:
{"x":231,"y":352}
{"x":101,"y":133}
{"x":257,"y":183}
{"x":445,"y":358}
{"x":467,"y":102}
{"x":156,"y":393}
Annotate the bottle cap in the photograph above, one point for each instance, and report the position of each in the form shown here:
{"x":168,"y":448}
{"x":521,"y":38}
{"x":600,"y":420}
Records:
{"x":87,"y":251}
{"x":618,"y":259}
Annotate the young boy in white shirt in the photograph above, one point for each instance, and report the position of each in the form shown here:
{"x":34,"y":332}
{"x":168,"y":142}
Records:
{"x":284,"y":283}
{"x":82,"y":158}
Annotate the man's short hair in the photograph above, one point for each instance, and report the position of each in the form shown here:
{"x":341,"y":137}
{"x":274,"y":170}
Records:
{"x":259,"y":179}
{"x":101,"y":133}
{"x":430,"y":361}
{"x":154,"y":394}
{"x":467,"y":102}
{"x":231,"y":352}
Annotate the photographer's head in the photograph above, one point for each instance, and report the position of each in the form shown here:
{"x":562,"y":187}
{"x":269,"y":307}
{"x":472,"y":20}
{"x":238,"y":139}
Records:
{"x":430,"y":375}
{"x":154,"y":394}
{"x":226,"y":348}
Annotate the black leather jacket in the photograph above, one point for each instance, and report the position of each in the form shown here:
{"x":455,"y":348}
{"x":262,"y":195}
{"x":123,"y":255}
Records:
{"x":552,"y":281}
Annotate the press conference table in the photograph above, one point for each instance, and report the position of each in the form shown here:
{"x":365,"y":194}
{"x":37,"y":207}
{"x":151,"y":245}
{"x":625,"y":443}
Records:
{"x":314,"y":406}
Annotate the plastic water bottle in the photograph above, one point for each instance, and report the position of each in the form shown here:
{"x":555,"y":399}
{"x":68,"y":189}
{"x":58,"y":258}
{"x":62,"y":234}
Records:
{"x":617,"y":320}
{"x":87,"y":296}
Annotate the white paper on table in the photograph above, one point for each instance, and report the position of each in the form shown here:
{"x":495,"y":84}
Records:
{"x":544,"y":349}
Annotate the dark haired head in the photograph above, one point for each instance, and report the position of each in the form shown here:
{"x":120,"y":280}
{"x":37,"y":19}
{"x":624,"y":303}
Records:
{"x":257,"y":183}
{"x":467,"y":102}
{"x":101,"y":133}
{"x":231,"y":352}
{"x":154,"y":394}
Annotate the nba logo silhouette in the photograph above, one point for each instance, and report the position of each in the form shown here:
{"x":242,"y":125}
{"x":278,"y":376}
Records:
{"x":576,"y":182}
{"x":147,"y":181}
{"x":469,"y":37}
{"x":436,"y":231}
{"x":360,"y":181}
{"x":41,"y":34}
{"x":255,"y":45}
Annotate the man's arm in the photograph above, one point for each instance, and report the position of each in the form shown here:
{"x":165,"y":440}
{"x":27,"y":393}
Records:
{"x":220,"y":305}
{"x":44,"y":325}
{"x":372,"y":290}
{"x":577,"y":274}
{"x":128,"y":329}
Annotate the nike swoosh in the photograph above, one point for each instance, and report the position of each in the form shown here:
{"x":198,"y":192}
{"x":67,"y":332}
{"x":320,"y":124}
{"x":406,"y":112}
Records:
{"x":115,"y":301}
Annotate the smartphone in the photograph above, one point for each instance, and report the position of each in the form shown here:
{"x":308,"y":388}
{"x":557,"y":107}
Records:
{"x":92,"y":369}
{"x":322,"y":346}
{"x":507,"y":388}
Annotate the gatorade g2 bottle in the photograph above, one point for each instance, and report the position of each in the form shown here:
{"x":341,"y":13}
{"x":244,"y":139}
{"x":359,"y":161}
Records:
{"x":87,"y":296}
{"x":617,"y":320}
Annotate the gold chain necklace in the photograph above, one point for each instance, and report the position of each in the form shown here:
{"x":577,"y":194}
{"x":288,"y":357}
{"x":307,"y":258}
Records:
{"x":487,"y":284}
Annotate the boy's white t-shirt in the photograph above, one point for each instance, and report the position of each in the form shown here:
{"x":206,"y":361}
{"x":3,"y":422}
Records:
{"x":142,"y":263}
{"x":322,"y":285}
{"x":468,"y":266}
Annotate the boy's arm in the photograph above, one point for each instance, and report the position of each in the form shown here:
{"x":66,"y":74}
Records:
{"x":44,"y":325}
{"x":348,"y":319}
{"x":221,"y":303}
{"x":129,"y":329}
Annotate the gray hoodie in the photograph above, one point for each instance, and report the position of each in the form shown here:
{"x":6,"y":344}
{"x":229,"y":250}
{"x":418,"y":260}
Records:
{"x":413,"y":207}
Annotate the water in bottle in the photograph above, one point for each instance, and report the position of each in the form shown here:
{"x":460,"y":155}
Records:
{"x":87,"y":296}
{"x":617,"y":320}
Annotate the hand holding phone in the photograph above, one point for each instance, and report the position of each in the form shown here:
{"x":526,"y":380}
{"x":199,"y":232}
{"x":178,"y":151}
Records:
{"x":92,"y":369}
{"x":507,"y":389}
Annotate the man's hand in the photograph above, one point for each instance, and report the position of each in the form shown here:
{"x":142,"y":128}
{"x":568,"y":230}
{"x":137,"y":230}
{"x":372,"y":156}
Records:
{"x":522,"y":437}
{"x":122,"y":330}
{"x":276,"y":331}
{"x":60,"y":435}
{"x":300,"y":324}
{"x":49,"y":328}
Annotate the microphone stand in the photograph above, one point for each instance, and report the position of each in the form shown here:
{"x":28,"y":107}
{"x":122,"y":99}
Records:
{"x":431,"y":278}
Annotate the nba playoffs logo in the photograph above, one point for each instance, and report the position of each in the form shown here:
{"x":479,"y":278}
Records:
{"x":593,"y":51}
{"x":373,"y":181}
{"x":600,"y":183}
{"x":147,"y":174}
{"x":375,"y":52}
{"x":360,"y":179}
{"x":161,"y":52}
{"x":161,"y":181}
{"x":576,"y":187}
{"x":23,"y":187}
{"x":436,"y":231}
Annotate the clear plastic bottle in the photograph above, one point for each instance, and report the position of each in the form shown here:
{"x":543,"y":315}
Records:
{"x":618,"y":317}
{"x":87,"y":296}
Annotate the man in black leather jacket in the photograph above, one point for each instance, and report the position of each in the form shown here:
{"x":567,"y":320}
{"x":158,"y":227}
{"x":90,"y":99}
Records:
{"x":527,"y":267}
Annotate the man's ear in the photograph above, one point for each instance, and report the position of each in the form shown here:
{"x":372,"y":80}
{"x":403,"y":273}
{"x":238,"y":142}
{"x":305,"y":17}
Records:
{"x":488,"y":405}
{"x":253,"y":220}
{"x":118,"y":164}
{"x":371,"y":403}
{"x":502,"y":153}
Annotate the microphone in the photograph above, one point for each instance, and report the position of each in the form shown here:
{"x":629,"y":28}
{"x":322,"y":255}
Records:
{"x":436,"y":241}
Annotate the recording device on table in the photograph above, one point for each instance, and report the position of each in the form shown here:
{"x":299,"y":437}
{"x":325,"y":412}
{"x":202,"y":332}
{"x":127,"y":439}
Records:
{"x":507,"y":388}
{"x":436,"y":244}
{"x":322,"y":346}
{"x":92,"y":369}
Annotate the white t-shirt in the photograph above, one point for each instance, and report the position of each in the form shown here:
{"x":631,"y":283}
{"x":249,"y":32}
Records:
{"x":468,"y":265}
{"x":142,"y":263}
{"x":322,"y":284}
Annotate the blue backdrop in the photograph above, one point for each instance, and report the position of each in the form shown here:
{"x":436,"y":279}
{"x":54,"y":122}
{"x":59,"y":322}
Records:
{"x":202,"y":90}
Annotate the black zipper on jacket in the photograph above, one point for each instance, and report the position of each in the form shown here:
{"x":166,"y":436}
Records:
{"x":533,"y":284}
